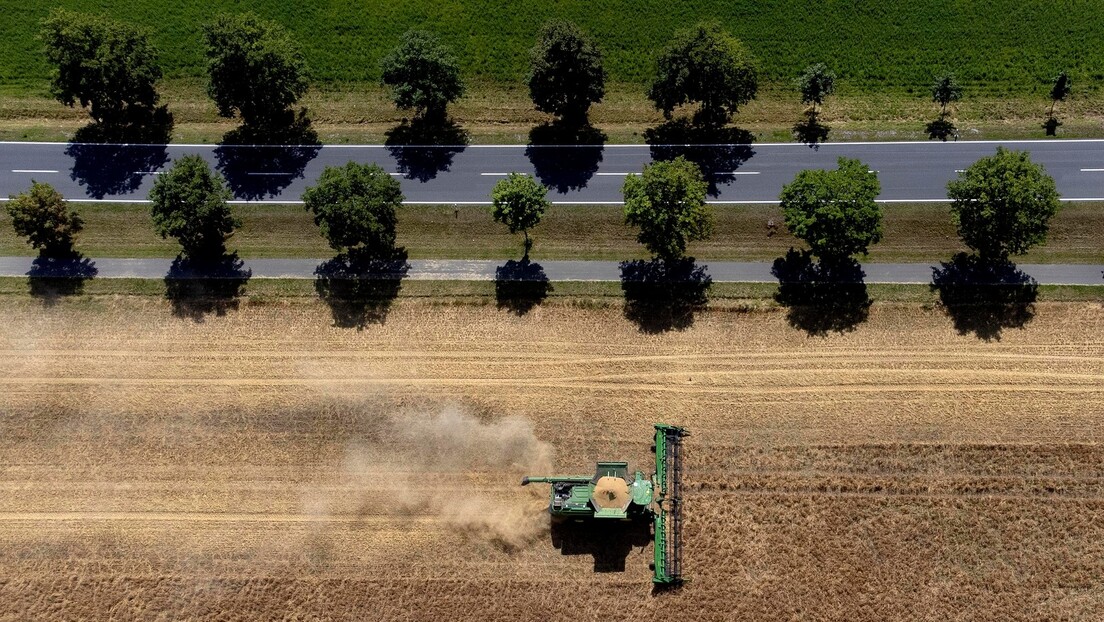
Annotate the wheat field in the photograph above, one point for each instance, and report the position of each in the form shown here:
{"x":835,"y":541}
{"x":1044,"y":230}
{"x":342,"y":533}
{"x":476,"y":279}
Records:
{"x":265,"y":465}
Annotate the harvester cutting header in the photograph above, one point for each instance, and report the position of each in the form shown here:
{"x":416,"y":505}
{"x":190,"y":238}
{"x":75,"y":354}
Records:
{"x":610,"y":494}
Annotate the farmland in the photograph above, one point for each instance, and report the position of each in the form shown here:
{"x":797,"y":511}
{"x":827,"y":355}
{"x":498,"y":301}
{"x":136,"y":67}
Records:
{"x":900,"y":471}
{"x":999,"y":47}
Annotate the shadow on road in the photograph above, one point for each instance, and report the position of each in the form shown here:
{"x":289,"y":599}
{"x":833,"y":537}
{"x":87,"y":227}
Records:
{"x":520,"y":286}
{"x":53,"y":278}
{"x":565,"y":156}
{"x":719,"y":151}
{"x":113,"y":160}
{"x":422,"y":148}
{"x":821,"y":297}
{"x":197,"y":288}
{"x":985,"y":296}
{"x":610,"y":544}
{"x":276,"y":155}
{"x":663,"y":296}
{"x":811,"y":131}
{"x":360,"y":289}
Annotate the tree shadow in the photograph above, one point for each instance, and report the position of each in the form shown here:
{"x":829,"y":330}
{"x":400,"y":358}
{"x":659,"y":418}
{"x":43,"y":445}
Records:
{"x":258,"y":162}
{"x":197,"y":288}
{"x":941,"y":129}
{"x":52,"y":278}
{"x":609,"y":542}
{"x":717,"y":150}
{"x":423,"y":147}
{"x":114,"y":159}
{"x":359,"y":289}
{"x":985,"y":296}
{"x":520,"y":286}
{"x":1051,"y":126}
{"x":823,"y":296}
{"x":565,"y":156}
{"x":662,"y":296}
{"x":810,"y":131}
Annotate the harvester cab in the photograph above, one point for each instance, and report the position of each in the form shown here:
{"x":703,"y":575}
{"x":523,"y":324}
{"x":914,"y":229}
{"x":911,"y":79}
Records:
{"x":612,"y":494}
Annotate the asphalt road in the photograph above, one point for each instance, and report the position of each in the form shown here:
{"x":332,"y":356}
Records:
{"x":473,"y":270}
{"x":912,"y":171}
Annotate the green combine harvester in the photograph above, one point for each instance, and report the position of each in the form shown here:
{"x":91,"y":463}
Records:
{"x":610,"y":494}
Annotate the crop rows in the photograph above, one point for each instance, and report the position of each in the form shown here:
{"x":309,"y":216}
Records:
{"x":997,"y":46}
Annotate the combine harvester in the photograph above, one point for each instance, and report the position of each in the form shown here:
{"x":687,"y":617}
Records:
{"x":610,"y":495}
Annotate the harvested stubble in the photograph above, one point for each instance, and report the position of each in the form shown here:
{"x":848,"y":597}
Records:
{"x":255,"y":466}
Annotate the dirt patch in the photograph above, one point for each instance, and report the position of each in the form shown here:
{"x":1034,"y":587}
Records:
{"x":266,"y":465}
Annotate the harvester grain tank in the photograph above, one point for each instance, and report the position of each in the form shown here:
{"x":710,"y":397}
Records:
{"x":611,"y":494}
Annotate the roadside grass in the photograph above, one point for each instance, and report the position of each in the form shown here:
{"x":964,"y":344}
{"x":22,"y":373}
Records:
{"x":493,"y":113}
{"x":912,"y":232}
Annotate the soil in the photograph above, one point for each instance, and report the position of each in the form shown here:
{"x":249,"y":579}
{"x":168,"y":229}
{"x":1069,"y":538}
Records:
{"x":264,"y":464}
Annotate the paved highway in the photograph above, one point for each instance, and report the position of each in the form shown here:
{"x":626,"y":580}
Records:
{"x":908,"y":171}
{"x":560,"y":270}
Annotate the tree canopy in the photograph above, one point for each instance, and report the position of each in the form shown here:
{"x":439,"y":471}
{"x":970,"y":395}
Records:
{"x":705,"y":64}
{"x":1061,"y":87}
{"x":946,"y":90}
{"x":816,"y":83}
{"x":189,"y":203}
{"x":108,"y":66}
{"x":43,"y":216}
{"x":355,"y":208}
{"x":834,"y":212}
{"x":1002,"y":204}
{"x":667,"y":203}
{"x":254,"y":68}
{"x":518,"y":202}
{"x":423,"y":75}
{"x":565,"y":74}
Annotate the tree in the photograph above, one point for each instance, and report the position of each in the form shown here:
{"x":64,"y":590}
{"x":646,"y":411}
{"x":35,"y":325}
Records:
{"x":815,"y":84}
{"x":565,"y":74}
{"x":107,"y":66}
{"x":1002,"y":204}
{"x":834,"y":212}
{"x":707,"y":65}
{"x":945,"y":90}
{"x":518,"y":202}
{"x":667,"y":203}
{"x":423,"y":75}
{"x":1059,"y":91}
{"x":189,"y":203}
{"x":355,"y":208}
{"x":254,"y":69}
{"x":43,"y":217}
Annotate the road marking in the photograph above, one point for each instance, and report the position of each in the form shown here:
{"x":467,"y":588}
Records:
{"x":960,"y":170}
{"x":616,"y":174}
{"x":494,"y":174}
{"x":795,"y":145}
{"x":1092,"y":170}
{"x":31,"y":170}
{"x":395,"y":174}
{"x":272,"y":174}
{"x":149,"y":172}
{"x":445,"y":202}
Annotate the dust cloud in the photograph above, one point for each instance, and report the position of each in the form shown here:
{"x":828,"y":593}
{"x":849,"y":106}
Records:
{"x":457,"y":468}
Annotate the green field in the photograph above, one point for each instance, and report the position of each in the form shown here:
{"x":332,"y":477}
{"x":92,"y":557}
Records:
{"x":995,"y":46}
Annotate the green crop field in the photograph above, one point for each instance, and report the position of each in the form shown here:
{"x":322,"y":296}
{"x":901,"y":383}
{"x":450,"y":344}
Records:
{"x":995,"y":46}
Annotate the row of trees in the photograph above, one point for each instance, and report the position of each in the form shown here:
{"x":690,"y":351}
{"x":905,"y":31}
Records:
{"x":257,"y":72}
{"x":1002,"y":206}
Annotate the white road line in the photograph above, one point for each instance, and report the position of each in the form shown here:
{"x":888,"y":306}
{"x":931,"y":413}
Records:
{"x":494,"y":174}
{"x":737,"y":173}
{"x":395,"y":174}
{"x":31,"y":170}
{"x":149,"y":172}
{"x":1092,"y":170}
{"x":960,"y":170}
{"x":922,"y":143}
{"x":616,"y":174}
{"x":272,"y":174}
